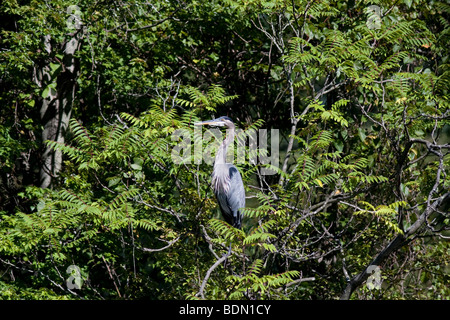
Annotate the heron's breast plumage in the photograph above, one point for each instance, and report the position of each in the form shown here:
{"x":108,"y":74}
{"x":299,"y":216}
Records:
{"x":221,"y":179}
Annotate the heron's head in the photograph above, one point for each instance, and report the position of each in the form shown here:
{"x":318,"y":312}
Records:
{"x":220,"y":122}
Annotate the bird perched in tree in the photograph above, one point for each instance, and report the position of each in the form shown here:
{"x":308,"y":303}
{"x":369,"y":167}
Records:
{"x":226,"y":178}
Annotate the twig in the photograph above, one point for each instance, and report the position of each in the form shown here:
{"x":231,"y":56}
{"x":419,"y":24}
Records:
{"x":297,"y":282}
{"x":111,"y":276}
{"x":163,"y":248}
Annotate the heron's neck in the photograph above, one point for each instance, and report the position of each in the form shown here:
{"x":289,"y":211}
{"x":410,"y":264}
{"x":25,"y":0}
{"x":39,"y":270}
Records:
{"x":221,"y":156}
{"x":221,"y":176}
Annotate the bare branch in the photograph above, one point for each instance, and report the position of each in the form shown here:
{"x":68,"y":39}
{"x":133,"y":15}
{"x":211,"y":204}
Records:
{"x":161,"y":249}
{"x":208,"y":274}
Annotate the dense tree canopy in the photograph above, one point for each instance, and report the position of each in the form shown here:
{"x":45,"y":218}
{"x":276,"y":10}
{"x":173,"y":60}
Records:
{"x":94,"y":96}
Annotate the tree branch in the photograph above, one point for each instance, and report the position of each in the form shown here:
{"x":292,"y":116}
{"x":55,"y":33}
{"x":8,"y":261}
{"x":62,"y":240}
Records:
{"x":394,"y":245}
{"x":163,"y":248}
{"x":208,"y":274}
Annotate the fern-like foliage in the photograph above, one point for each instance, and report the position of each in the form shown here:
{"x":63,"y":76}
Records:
{"x":252,"y":284}
{"x":214,"y":96}
{"x":384,"y":213}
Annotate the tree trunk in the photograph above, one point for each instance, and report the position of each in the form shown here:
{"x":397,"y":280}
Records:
{"x":59,"y":86}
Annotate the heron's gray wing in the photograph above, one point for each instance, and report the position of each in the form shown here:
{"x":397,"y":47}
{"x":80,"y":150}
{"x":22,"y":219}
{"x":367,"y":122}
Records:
{"x":236,"y":193}
{"x":234,"y":199}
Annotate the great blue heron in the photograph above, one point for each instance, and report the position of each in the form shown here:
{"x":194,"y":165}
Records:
{"x":226,"y":179}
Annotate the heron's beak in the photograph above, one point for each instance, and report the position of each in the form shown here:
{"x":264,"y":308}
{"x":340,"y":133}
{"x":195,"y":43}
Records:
{"x":214,"y":122}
